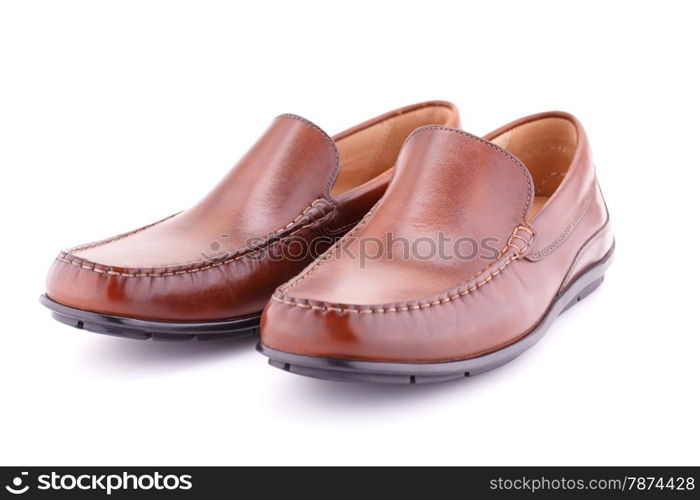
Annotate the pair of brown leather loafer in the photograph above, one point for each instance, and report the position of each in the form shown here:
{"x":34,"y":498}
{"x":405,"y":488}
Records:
{"x":401,"y":250}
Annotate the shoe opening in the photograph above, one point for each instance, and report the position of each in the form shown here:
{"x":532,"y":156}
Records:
{"x":546,"y":146}
{"x":371,"y":151}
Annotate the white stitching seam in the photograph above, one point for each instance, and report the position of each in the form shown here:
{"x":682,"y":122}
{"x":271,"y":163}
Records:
{"x":90,"y":266}
{"x":543,"y":252}
{"x":466,"y":290}
{"x":290,"y":301}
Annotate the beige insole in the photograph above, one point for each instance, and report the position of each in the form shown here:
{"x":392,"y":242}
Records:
{"x":372,"y":150}
{"x":546,"y":147}
{"x":537,"y":204}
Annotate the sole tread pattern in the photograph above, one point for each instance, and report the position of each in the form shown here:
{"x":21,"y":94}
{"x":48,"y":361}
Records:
{"x":138,"y":329}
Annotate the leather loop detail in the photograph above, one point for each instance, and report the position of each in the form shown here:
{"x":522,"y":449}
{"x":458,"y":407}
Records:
{"x":519,"y":241}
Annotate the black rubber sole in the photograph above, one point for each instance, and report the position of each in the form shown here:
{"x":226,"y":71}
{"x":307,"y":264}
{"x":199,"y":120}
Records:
{"x":140,"y":329}
{"x":347,"y":370}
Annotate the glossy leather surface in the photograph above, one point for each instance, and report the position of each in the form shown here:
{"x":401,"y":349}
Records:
{"x":223,"y":257}
{"x":412,"y":309}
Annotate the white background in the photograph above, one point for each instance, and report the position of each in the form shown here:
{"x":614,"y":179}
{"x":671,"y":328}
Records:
{"x":115,"y":114}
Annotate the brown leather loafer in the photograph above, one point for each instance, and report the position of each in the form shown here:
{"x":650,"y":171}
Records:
{"x":208,"y":271}
{"x":476,"y":247}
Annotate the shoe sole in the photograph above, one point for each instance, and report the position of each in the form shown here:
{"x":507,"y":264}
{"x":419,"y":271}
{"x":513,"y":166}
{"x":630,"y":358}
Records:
{"x":141,"y":329}
{"x":347,"y":370}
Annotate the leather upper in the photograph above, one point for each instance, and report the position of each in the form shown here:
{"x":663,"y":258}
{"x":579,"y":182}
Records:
{"x":538,"y":219}
{"x":488,"y":199}
{"x":223,"y":257}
